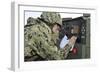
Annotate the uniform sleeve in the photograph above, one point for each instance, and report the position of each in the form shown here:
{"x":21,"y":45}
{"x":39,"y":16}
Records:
{"x":38,"y":44}
{"x":46,"y":51}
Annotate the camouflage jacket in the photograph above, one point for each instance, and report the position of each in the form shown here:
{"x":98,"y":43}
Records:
{"x":38,"y":44}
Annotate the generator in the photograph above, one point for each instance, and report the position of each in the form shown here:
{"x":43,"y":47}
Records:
{"x":81,"y":26}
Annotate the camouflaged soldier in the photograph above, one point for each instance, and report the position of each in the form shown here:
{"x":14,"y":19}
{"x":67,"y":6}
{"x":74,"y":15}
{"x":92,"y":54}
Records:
{"x":41,"y":37}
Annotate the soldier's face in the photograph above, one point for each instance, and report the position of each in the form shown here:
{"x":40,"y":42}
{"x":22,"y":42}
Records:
{"x":75,"y":29}
{"x":56,"y":28}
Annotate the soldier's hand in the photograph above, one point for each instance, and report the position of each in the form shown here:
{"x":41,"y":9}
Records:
{"x":72,"y":40}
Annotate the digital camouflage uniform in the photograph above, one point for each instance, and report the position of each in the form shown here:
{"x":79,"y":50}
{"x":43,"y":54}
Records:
{"x":40,"y":43}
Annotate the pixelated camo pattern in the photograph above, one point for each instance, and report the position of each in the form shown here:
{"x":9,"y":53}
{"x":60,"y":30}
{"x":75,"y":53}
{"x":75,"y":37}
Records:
{"x":38,"y":44}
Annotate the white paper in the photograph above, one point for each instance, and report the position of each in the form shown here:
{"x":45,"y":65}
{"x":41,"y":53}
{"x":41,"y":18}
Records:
{"x":64,"y":42}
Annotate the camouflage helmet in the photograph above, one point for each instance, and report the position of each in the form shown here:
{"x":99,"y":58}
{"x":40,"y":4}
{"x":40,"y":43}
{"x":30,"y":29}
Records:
{"x":52,"y":17}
